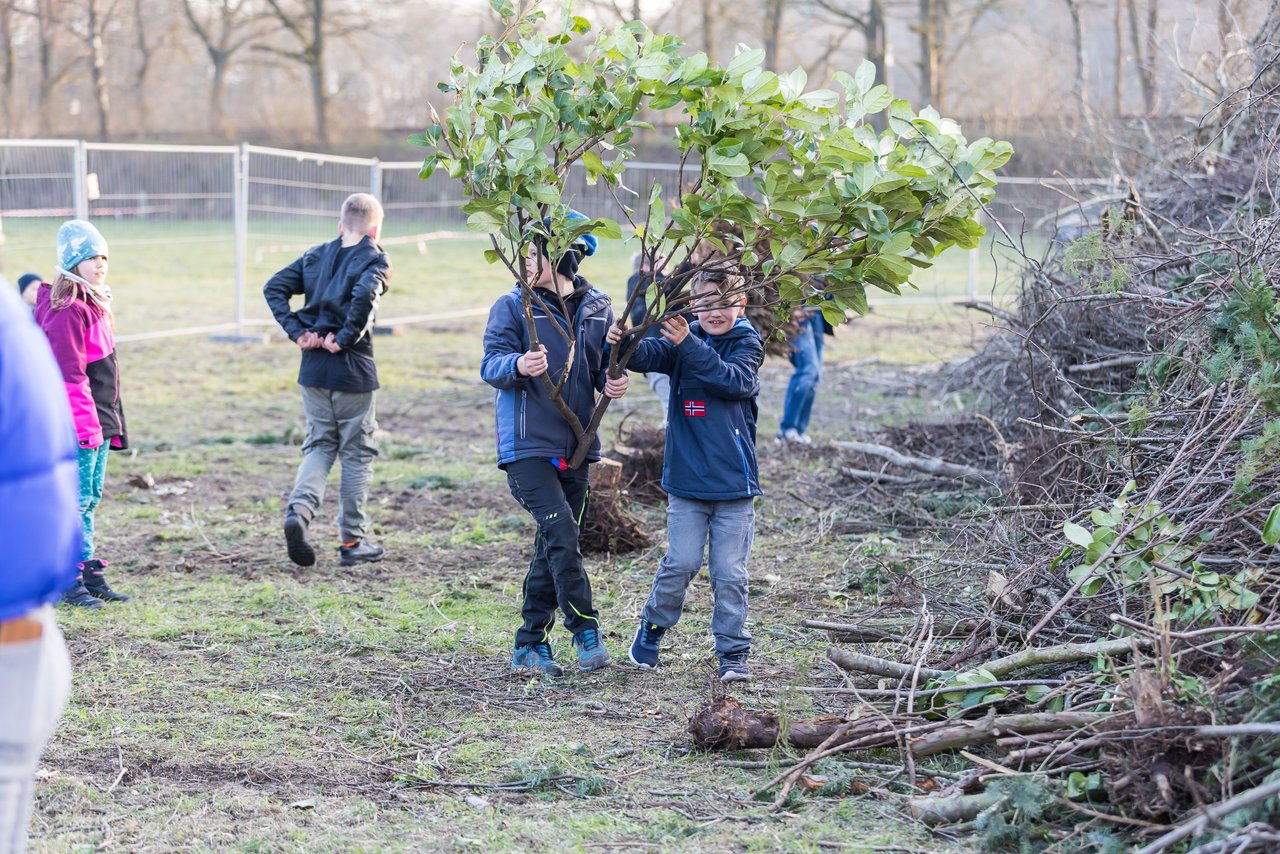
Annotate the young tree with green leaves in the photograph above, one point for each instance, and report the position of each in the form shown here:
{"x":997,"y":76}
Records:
{"x":786,"y":183}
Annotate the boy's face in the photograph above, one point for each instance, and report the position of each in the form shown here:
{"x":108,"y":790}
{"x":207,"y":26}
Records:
{"x":716,"y":312}
{"x":93,"y":271}
{"x":536,"y":277}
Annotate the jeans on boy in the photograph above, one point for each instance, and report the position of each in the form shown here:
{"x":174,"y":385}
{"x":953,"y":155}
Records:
{"x":730,"y":526}
{"x":36,"y":675}
{"x":806,"y":356}
{"x":340,"y":425}
{"x":93,"y":475}
{"x":557,"y":500}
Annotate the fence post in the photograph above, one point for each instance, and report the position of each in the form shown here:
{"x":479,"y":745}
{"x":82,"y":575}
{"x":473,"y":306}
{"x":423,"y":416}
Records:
{"x":240,"y":201}
{"x":80,"y":183}
{"x":375,"y":179}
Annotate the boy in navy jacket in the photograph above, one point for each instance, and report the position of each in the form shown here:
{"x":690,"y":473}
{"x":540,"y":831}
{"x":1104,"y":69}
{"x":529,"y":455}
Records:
{"x":709,"y":470}
{"x":535,"y":441}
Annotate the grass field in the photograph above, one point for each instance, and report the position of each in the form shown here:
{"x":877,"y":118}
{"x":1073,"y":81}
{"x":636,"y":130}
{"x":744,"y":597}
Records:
{"x":240,"y":703}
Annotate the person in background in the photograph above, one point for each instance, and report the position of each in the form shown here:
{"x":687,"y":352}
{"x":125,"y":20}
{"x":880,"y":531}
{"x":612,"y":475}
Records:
{"x":75,"y":314}
{"x":39,"y":491}
{"x":29,"y":288}
{"x":802,"y":390}
{"x":341,"y":283}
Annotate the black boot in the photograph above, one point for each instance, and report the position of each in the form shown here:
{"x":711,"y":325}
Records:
{"x":95,"y":582}
{"x":296,"y":522}
{"x":76,"y":595}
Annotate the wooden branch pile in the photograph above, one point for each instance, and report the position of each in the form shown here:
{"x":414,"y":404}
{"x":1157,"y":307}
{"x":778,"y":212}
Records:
{"x":640,"y":450}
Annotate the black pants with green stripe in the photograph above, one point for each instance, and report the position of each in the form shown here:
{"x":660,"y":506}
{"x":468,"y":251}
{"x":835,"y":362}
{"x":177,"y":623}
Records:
{"x":557,"y":501}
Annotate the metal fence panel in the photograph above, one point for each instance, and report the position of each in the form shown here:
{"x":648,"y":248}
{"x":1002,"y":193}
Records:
{"x":172,"y":214}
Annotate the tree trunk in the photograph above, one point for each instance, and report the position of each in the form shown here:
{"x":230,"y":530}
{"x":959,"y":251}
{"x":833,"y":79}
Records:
{"x":48,"y":30}
{"x":772,"y":32}
{"x":1144,"y":50}
{"x":1080,"y":86}
{"x":319,"y":92}
{"x":98,"y":66}
{"x":1117,"y":58}
{"x":708,"y":8}
{"x":144,"y":66}
{"x":7,"y":67}
{"x":217,"y":94}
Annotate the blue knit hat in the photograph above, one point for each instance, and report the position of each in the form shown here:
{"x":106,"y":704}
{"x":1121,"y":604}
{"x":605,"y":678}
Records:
{"x":78,"y":241}
{"x":26,"y":280}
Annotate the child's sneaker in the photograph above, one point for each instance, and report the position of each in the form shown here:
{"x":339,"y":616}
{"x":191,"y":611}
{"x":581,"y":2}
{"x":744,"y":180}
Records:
{"x":591,"y":652}
{"x":535,"y":657}
{"x":644,"y":648}
{"x":733,"y":668}
{"x":296,"y":542}
{"x":95,"y":582}
{"x":359,"y":551}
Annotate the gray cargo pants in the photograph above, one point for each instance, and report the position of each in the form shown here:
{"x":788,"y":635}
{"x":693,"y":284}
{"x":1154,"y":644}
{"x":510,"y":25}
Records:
{"x":340,"y":426}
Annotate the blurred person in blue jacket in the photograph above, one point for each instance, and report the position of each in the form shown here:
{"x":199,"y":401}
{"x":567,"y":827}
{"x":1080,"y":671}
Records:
{"x":40,"y":494}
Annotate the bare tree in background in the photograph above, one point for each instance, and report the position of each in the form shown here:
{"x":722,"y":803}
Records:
{"x":622,"y":10}
{"x":772,"y":32}
{"x":227,"y":28}
{"x":312,"y":24}
{"x":945,"y":29}
{"x":1143,"y":39}
{"x":867,"y":18}
{"x":99,"y":13}
{"x":8,"y":59}
{"x":1080,"y":86}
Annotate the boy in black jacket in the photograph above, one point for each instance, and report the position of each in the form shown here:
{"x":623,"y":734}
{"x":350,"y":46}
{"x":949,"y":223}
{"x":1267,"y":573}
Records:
{"x":340,"y":282}
{"x":709,"y":470}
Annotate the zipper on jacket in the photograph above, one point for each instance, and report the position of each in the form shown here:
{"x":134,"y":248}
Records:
{"x":742,"y":452}
{"x":523,"y":400}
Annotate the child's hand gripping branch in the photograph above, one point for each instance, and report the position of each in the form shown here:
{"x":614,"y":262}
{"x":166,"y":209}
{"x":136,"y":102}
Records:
{"x":533,"y":363}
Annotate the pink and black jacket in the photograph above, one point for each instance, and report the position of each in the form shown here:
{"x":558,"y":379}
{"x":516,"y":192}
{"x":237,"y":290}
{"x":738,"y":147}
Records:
{"x":85,"y":349}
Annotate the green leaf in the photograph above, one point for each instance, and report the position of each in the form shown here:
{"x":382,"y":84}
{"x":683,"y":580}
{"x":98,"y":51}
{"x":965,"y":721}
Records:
{"x":1271,"y":528}
{"x":865,"y":77}
{"x":1077,"y":534}
{"x":732,"y":166}
{"x":744,"y":62}
{"x":593,"y":164}
{"x":759,"y":85}
{"x":492,"y":256}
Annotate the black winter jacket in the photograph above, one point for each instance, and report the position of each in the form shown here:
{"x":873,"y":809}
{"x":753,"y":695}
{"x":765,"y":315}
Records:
{"x":340,"y":289}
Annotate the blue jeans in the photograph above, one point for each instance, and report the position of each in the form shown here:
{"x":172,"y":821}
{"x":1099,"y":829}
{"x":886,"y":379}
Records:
{"x":730,"y":526}
{"x":806,"y":355}
{"x":93,"y":474}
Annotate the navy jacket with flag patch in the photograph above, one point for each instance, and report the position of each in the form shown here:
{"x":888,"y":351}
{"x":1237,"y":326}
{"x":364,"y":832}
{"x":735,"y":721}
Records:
{"x":527,"y":423}
{"x":711,"y":415}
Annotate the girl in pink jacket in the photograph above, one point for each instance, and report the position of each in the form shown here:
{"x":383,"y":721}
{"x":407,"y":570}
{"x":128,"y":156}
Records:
{"x":75,"y":314}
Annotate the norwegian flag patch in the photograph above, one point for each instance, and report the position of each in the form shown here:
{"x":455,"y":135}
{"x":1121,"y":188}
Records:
{"x":695,"y":408}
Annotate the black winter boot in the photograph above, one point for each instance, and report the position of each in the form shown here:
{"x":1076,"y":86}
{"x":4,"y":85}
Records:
{"x":296,"y":522}
{"x":77,"y":596}
{"x":95,"y":582}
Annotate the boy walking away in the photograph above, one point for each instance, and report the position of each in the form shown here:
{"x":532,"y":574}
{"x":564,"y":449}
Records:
{"x":709,"y":470}
{"x":534,"y":440}
{"x":341,"y":282}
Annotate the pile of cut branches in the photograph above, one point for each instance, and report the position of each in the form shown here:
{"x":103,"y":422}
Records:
{"x":1122,"y":683}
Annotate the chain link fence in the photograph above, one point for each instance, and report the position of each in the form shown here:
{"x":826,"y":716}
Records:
{"x":235,"y":214}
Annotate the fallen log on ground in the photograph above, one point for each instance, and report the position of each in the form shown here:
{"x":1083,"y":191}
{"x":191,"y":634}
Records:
{"x":951,"y":809}
{"x":726,"y":725}
{"x":928,"y":465}
{"x":860,"y":663}
{"x":886,"y":629}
